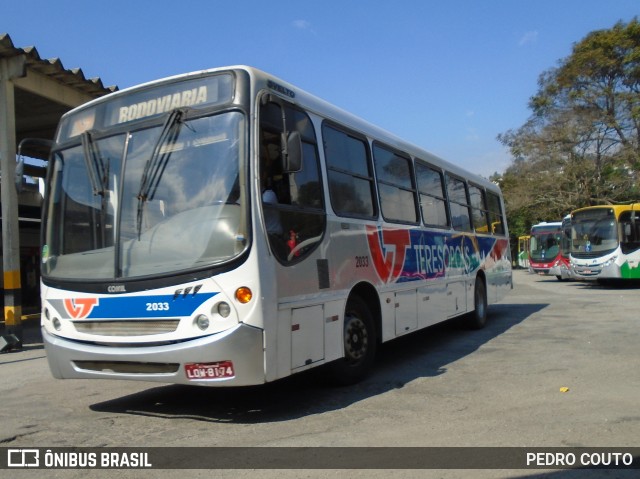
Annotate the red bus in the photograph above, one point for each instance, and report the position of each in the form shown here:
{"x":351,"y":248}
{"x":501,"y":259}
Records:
{"x":546,"y":250}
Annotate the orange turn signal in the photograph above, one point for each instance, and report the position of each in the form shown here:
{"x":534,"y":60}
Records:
{"x":244,"y":294}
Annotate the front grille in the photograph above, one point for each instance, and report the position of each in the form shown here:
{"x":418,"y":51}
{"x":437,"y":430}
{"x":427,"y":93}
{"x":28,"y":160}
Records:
{"x":127,"y":367}
{"x":584,"y":271}
{"x":139,"y":327}
{"x":591,"y":254}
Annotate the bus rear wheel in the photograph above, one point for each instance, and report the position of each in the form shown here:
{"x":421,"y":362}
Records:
{"x":478,"y":318}
{"x":359,"y":344}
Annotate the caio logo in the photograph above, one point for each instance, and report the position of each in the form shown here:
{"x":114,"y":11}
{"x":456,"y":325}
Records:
{"x":80,"y":308}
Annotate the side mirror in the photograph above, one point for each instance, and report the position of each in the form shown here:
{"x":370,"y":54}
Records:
{"x":34,"y":145}
{"x":292,"y":154}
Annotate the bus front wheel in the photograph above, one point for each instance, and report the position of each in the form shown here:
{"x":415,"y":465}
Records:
{"x":359,"y":344}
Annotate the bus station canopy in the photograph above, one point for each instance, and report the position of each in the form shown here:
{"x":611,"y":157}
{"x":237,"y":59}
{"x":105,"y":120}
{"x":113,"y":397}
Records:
{"x":34,"y":94}
{"x":43,"y":91}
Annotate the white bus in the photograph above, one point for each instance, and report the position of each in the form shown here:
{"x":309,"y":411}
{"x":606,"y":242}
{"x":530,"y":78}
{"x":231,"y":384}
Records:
{"x":225,"y":228}
{"x":605,"y":242}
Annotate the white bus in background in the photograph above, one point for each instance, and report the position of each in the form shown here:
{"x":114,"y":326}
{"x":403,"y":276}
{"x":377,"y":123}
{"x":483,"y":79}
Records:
{"x":226,"y":228}
{"x":605,"y":242}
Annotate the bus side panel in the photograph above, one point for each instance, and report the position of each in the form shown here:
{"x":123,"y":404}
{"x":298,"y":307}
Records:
{"x":630,"y":268}
{"x":422,"y":277}
{"x":432,"y":304}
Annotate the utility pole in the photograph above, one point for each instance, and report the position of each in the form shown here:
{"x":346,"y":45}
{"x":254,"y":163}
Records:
{"x":10,"y":68}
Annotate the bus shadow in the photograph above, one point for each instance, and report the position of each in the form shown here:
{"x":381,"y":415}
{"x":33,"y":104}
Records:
{"x":610,"y":285}
{"x":424,"y":354}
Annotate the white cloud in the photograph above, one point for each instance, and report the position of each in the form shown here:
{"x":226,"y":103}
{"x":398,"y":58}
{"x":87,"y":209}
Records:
{"x":303,"y":25}
{"x":528,"y":38}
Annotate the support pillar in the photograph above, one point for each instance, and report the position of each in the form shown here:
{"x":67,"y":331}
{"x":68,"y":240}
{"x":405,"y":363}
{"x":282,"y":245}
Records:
{"x":10,"y":68}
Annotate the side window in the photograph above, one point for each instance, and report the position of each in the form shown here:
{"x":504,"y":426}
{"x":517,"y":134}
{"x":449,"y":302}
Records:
{"x":349,"y":173}
{"x":395,"y":185}
{"x":496,"y":217}
{"x":292,"y":201}
{"x":459,"y":204}
{"x":479,"y":212}
{"x":432,"y":197}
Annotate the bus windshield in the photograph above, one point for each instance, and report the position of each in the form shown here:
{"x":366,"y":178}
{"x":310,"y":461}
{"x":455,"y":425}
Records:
{"x":594,"y":232}
{"x":544,"y":246}
{"x":148,"y":201}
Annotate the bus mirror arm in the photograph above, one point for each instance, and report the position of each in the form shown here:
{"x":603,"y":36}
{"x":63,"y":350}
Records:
{"x":290,"y":141}
{"x":292,"y":152}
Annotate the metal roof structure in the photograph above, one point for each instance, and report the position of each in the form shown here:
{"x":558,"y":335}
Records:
{"x":34,"y":94}
{"x":47,"y":91}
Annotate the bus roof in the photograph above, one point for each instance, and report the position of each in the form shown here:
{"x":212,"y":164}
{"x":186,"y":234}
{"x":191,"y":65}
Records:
{"x":617,"y":208}
{"x":545,"y":227}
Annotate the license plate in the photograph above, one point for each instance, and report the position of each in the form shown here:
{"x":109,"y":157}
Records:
{"x":217,"y":370}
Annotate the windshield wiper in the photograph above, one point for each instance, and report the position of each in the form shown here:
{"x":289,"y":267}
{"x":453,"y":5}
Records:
{"x":98,"y":173}
{"x":96,"y":170}
{"x":157,"y":162}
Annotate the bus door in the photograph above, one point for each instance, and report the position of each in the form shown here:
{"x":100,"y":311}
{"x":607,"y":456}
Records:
{"x":294,"y":219}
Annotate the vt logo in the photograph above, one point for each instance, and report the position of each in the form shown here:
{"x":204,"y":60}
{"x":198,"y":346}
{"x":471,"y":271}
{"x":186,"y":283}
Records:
{"x":80,"y":308}
{"x":388,"y":251}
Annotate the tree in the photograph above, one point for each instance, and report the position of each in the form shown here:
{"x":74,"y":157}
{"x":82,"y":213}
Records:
{"x":581,"y":144}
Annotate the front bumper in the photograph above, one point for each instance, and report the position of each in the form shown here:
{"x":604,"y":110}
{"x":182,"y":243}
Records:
{"x":242,"y":345}
{"x":561,"y":272}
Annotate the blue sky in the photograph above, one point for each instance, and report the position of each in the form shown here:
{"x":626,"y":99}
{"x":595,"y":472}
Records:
{"x":448,"y":76}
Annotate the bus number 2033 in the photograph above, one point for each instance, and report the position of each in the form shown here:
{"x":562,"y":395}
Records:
{"x":362,"y":261}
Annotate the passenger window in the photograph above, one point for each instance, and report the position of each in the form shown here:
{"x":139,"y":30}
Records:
{"x":349,"y":174}
{"x":292,"y":201}
{"x":432,"y":198}
{"x":479,"y":211}
{"x":459,"y":204}
{"x":395,"y":185}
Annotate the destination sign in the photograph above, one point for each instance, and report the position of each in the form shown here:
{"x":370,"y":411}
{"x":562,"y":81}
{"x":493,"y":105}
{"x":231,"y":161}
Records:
{"x":149,"y":101}
{"x":163,"y":104}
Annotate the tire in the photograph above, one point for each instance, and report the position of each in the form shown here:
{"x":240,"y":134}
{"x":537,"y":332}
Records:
{"x":478,"y":318}
{"x":360,"y":342}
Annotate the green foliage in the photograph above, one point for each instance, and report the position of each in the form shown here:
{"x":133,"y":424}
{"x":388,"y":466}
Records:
{"x":581,"y":144}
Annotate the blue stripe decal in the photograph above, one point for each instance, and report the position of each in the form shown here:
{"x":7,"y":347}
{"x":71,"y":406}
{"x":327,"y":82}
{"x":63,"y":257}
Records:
{"x":160,"y":306}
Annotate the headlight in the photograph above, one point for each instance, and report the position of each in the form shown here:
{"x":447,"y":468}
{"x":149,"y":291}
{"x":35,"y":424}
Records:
{"x":610,"y":261}
{"x":202,"y":321}
{"x":224,"y":309}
